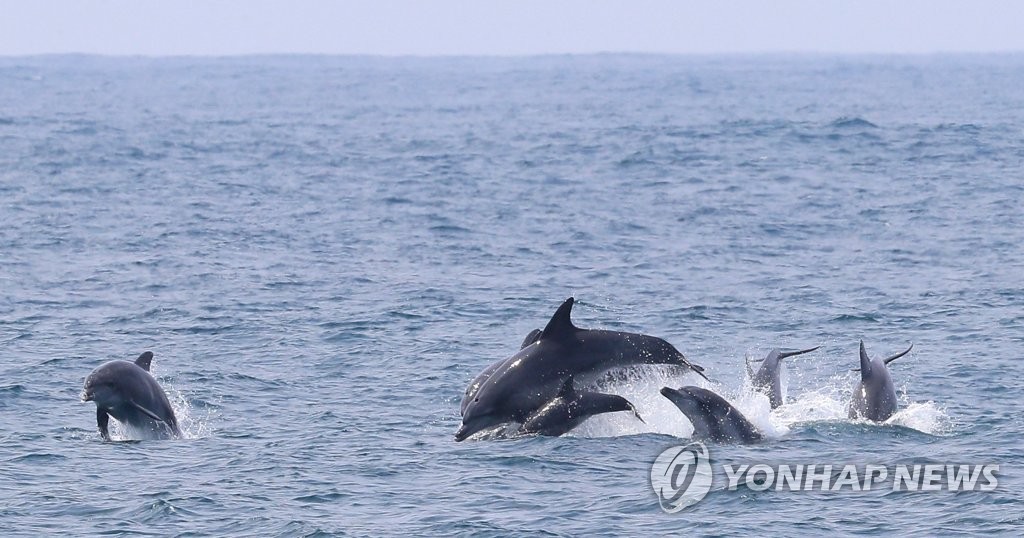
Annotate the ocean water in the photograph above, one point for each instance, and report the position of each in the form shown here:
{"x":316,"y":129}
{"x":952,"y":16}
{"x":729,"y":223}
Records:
{"x":322,"y":252}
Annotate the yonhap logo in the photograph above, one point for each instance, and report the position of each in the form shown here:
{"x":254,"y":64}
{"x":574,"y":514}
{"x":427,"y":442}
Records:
{"x":681,"y":476}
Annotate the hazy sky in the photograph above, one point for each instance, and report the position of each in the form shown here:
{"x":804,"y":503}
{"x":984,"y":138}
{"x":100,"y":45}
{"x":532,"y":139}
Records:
{"x":456,"y":27}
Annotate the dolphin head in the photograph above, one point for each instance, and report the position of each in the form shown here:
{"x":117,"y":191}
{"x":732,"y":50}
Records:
{"x":499,"y":396}
{"x":692,"y":405}
{"x":477,"y":419}
{"x":102,"y":385}
{"x":477,"y":383}
{"x":691,"y":401}
{"x":481,"y":411}
{"x":712,"y":416}
{"x":472,"y":389}
{"x":686,"y":400}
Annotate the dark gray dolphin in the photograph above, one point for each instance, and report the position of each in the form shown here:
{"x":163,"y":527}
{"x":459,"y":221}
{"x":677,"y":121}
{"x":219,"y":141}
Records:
{"x":874,"y":396}
{"x":713,"y":418}
{"x":474,"y":385}
{"x":126,"y":391}
{"x":528,"y":380}
{"x":570,"y":408}
{"x":767,"y":379}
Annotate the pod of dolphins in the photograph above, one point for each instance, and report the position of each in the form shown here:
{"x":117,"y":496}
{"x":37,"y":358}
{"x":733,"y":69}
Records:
{"x":537,"y":390}
{"x":540,"y":390}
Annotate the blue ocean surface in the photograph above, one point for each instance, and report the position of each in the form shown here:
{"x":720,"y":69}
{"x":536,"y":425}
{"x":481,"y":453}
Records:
{"x":322,"y":252}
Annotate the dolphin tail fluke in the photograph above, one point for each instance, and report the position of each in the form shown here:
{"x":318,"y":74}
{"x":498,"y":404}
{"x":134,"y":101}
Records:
{"x":898,"y":355}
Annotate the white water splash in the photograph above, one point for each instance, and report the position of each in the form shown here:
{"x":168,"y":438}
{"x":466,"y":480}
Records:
{"x":641,"y":386}
{"x":828,"y":402}
{"x":926,"y":417}
{"x":193,"y":424}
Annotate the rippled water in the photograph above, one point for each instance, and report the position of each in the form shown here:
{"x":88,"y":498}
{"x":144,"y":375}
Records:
{"x":322,"y":252}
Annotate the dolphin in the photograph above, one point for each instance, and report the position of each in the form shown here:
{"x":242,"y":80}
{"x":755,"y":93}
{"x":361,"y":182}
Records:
{"x":767,"y":379}
{"x":874,"y":396}
{"x":525,"y":382}
{"x":570,"y":408}
{"x":126,"y":391}
{"x":713,"y":418}
{"x":474,"y":385}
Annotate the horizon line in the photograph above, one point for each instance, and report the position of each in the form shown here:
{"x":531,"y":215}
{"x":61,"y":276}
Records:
{"x":776,"y":53}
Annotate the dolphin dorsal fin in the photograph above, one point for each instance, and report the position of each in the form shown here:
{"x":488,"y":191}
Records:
{"x":144,"y":360}
{"x":534,"y":335}
{"x":567,"y":391}
{"x":898,"y":355}
{"x":560,"y":325}
{"x":865,"y":362}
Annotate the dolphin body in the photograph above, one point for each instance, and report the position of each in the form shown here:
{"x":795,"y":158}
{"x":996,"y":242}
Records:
{"x":874,"y":396}
{"x":570,"y":408}
{"x":126,"y":391}
{"x":768,"y":379}
{"x":713,"y":418}
{"x":516,"y":388}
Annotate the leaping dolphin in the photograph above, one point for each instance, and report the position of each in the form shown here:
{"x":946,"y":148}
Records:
{"x":713,"y":418}
{"x":874,"y":396}
{"x":570,"y":408}
{"x":126,"y":391}
{"x":768,"y":379}
{"x":527,"y":381}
